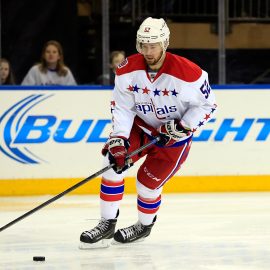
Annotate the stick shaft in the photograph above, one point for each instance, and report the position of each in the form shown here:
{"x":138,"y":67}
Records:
{"x":76,"y":186}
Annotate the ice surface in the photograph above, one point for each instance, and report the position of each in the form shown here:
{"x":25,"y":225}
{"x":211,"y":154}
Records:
{"x":221,"y":231}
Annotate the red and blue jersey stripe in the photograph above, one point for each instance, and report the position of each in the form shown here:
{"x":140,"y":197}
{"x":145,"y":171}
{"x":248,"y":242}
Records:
{"x":147,"y":206}
{"x":111,"y":191}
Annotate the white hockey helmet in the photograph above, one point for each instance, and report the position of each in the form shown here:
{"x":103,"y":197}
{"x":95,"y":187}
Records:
{"x":151,"y":31}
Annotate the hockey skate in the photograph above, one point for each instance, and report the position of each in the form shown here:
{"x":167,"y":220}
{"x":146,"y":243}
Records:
{"x":100,"y":236}
{"x":136,"y":232}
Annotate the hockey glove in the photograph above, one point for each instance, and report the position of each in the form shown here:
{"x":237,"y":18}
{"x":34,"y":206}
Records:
{"x":172,"y":132}
{"x":105,"y":150}
{"x":117,"y":148}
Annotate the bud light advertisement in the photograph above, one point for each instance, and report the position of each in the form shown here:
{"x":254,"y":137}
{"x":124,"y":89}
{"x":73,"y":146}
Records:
{"x":59,"y":132}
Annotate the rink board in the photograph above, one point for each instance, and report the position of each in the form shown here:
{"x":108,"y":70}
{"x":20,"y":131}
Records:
{"x":51,"y":137}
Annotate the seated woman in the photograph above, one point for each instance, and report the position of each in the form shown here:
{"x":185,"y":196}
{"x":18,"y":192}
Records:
{"x":6,"y":74}
{"x":51,"y":70}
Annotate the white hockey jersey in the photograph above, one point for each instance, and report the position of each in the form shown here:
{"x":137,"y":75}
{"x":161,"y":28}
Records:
{"x":180,"y":90}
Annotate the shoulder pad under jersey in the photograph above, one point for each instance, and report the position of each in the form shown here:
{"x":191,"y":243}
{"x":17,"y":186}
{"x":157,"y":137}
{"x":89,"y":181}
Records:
{"x":131,"y":63}
{"x":181,"y":68}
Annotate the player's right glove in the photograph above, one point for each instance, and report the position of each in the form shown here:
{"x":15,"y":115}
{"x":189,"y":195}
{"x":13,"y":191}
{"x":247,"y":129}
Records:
{"x":172,"y":132}
{"x":117,"y":148}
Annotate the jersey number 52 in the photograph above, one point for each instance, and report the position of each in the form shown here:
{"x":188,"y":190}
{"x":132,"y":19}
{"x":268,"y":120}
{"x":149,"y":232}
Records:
{"x":205,"y":89}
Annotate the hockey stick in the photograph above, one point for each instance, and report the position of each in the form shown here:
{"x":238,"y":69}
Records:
{"x":140,"y":149}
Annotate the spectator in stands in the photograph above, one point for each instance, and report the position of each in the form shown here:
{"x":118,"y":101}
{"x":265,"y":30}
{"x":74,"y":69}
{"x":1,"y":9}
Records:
{"x":116,"y":58}
{"x":51,"y":70}
{"x":6,"y":73}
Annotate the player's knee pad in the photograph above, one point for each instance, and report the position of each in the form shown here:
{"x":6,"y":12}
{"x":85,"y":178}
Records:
{"x":146,"y":192}
{"x":111,"y":175}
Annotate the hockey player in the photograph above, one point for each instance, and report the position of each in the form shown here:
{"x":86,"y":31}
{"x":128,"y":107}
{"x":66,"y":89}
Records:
{"x":156,"y":93}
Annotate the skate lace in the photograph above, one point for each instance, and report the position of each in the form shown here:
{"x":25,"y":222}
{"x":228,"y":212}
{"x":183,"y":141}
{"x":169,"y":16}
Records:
{"x":133,"y":230}
{"x":99,"y":229}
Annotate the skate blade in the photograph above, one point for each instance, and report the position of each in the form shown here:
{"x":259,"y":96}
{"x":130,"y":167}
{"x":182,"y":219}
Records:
{"x":114,"y":243}
{"x":104,"y":243}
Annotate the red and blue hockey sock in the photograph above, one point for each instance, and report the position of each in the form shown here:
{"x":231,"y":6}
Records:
{"x":111,"y":194}
{"x":147,"y":209}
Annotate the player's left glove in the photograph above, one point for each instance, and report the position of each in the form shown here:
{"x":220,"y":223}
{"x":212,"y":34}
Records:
{"x":117,"y":148}
{"x":172,"y":132}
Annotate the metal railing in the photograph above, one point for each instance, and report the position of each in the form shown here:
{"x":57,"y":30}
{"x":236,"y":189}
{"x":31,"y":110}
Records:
{"x":249,"y":10}
{"x":190,"y":10}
